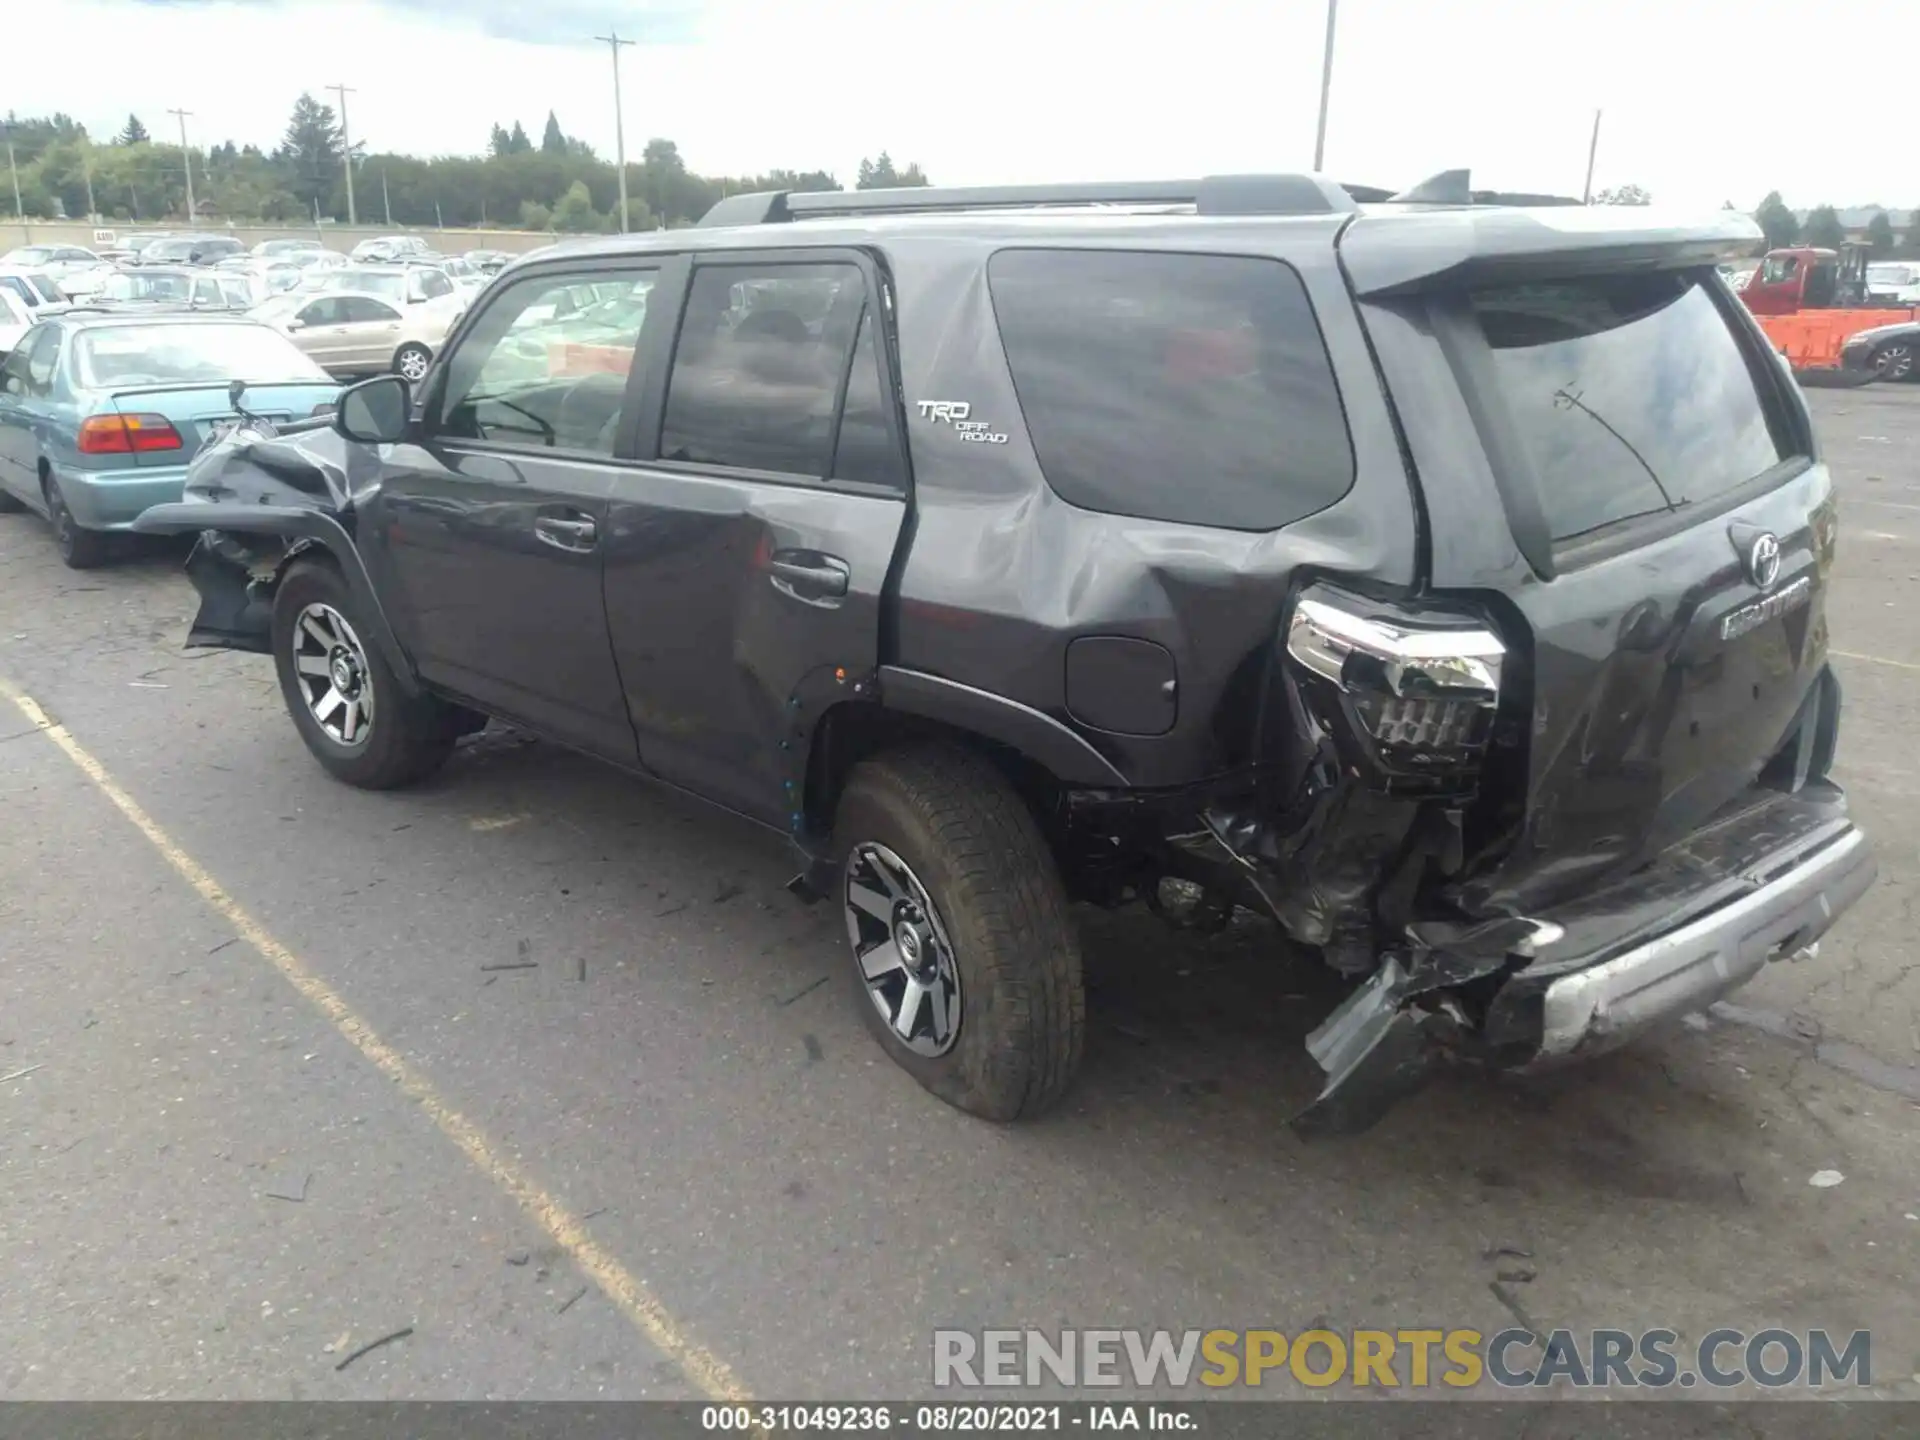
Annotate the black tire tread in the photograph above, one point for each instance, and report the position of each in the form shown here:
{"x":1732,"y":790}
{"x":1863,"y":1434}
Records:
{"x":1004,"y":890}
{"x":419,"y":732}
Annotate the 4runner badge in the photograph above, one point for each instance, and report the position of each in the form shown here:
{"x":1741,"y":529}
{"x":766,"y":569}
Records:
{"x":955,"y":413}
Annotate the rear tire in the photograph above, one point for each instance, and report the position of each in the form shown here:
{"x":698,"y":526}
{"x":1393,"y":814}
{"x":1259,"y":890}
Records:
{"x":10,"y":504}
{"x":1897,"y":361}
{"x":80,"y":548}
{"x":937,"y":839}
{"x":343,"y":695}
{"x":412,"y":360}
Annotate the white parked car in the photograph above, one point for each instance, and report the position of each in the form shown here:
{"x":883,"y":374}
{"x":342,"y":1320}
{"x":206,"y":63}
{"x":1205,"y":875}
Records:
{"x":15,"y":320}
{"x":1893,"y":282}
{"x":77,"y":271}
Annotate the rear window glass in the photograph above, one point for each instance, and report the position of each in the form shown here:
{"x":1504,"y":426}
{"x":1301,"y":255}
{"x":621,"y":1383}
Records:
{"x":1630,"y":393}
{"x":1190,"y":388}
{"x":193,"y":354}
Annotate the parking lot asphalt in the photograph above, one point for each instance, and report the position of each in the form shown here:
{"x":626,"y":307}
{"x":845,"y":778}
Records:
{"x":545,"y":1068}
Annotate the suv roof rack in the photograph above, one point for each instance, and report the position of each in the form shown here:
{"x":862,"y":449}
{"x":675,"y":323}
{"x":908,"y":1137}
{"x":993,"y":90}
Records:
{"x":1296,"y":194}
{"x":1279,"y":194}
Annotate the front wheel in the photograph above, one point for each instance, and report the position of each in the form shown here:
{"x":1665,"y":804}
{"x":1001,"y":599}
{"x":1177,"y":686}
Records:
{"x":1896,"y":361}
{"x":412,"y":360}
{"x":343,"y":695}
{"x":965,"y":963}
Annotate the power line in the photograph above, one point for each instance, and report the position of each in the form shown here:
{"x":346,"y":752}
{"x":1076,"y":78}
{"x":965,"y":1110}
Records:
{"x":186,"y":161}
{"x":613,"y":42}
{"x":346,"y":145}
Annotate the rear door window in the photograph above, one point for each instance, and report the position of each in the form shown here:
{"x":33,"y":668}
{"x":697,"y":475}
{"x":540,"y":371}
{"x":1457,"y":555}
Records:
{"x":758,"y":370}
{"x":1190,"y":388}
{"x":1630,"y":393}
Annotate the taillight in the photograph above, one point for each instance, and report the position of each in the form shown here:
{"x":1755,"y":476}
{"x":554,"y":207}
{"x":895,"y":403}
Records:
{"x":127,"y":435}
{"x":1418,"y":691}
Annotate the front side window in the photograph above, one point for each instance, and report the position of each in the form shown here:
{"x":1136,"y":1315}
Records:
{"x":758,"y":366}
{"x":1188,"y":388}
{"x":1779,"y":268}
{"x":1630,"y":393}
{"x":526,"y":375}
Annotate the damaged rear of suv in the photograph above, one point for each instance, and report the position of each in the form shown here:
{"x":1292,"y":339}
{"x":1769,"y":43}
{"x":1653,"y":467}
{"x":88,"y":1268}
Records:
{"x":1442,"y":579}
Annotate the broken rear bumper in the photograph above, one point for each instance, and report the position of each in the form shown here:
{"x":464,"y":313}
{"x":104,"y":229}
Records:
{"x":1608,"y":1003}
{"x":1763,"y":881}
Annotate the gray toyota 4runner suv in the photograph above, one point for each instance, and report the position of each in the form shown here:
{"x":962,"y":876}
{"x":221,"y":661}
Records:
{"x":1442,"y":580}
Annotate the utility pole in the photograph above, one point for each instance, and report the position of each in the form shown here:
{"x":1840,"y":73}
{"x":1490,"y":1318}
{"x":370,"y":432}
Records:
{"x":1593,"y":148}
{"x":1326,"y":89}
{"x":613,"y":42}
{"x":386,"y":199}
{"x":19,"y":211}
{"x":186,"y":161}
{"x":86,"y":168}
{"x":346,"y":146}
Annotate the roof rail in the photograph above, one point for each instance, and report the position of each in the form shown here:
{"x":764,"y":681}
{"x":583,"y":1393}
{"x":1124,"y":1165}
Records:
{"x":1282,"y":194}
{"x":1298,"y":194}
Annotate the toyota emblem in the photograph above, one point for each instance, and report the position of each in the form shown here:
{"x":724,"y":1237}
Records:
{"x":1763,"y":560}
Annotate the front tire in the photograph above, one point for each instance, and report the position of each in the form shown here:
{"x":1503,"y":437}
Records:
{"x":343,"y":695}
{"x":10,"y":504}
{"x":80,"y":548}
{"x":965,"y":961}
{"x":412,"y":360}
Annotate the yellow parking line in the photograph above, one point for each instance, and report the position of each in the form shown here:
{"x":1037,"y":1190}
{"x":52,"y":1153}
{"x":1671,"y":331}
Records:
{"x":1875,"y":659}
{"x":701,"y":1366}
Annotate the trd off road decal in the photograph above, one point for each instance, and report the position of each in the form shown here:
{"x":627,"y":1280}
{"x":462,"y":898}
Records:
{"x":956,"y":413}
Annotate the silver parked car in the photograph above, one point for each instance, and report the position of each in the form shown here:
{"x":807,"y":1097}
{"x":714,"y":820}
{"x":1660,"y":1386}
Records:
{"x":350,"y":332}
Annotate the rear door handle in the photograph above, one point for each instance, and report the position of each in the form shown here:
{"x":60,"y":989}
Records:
{"x":808,"y":575}
{"x":567,"y":532}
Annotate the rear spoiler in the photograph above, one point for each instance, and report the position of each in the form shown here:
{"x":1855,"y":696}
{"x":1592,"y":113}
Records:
{"x":1418,"y":249}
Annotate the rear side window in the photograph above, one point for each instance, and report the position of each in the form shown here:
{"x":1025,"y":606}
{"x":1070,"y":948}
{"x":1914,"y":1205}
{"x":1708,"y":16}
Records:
{"x":757,"y":373}
{"x":1190,"y":388}
{"x":1629,"y":392}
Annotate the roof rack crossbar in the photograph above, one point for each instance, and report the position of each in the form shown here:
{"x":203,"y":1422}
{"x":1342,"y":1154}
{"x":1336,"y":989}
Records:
{"x":1299,"y":194}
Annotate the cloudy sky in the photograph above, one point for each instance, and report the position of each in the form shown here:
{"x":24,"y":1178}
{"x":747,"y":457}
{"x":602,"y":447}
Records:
{"x":1024,"y":90}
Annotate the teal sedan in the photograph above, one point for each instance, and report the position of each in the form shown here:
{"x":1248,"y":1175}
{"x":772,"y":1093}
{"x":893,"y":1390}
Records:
{"x":100,"y":415}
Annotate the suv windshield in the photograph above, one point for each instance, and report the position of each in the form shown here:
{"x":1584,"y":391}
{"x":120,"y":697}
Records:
{"x":135,"y":286}
{"x":388,"y":284}
{"x":1629,"y":392}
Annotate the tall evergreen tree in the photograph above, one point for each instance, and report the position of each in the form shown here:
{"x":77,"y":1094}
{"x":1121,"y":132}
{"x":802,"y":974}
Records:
{"x":553,"y":140}
{"x":134,"y":134}
{"x":309,"y":153}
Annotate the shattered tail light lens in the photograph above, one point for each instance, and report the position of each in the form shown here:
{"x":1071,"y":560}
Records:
{"x":1422,"y":690}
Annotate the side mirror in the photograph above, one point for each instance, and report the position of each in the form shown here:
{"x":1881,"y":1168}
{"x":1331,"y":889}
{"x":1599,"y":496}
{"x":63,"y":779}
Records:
{"x":375,"y":411}
{"x":293,"y":325}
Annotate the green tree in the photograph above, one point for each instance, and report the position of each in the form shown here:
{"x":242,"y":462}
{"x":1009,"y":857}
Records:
{"x":881,"y":174}
{"x":134,"y":134}
{"x":500,"y":142}
{"x":553,"y":140}
{"x":309,"y":154}
{"x":1623,"y":195}
{"x":1825,"y":230}
{"x":1880,"y":232}
{"x":574,"y":211}
{"x":535,"y":216}
{"x":517,"y":142}
{"x":1779,"y":223}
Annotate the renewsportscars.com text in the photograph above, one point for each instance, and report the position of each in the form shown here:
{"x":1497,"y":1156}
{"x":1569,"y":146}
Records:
{"x":1400,"y":1359}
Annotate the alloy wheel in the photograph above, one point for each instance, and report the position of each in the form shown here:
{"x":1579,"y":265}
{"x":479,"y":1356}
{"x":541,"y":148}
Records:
{"x":334,"y":677}
{"x":414,"y":364}
{"x":900,"y":944}
{"x":1894,"y":362}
